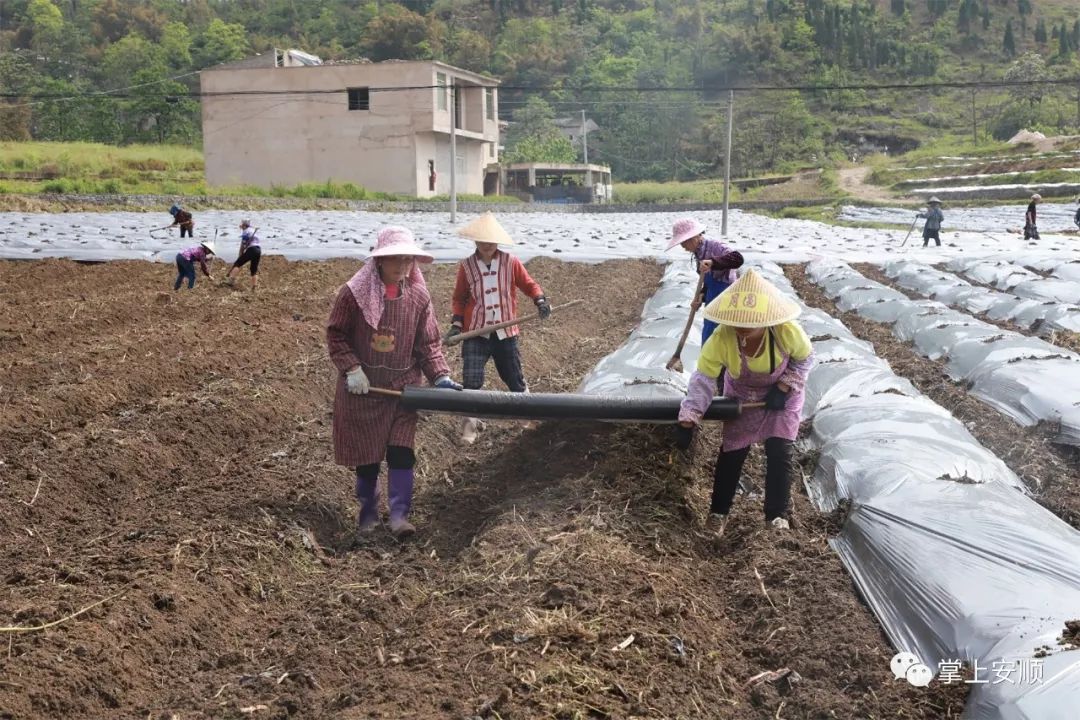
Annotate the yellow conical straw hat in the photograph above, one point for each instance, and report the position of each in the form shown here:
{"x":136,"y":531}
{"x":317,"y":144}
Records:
{"x":486,"y":229}
{"x":751,"y":302}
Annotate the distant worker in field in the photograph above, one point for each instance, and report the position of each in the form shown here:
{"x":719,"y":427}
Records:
{"x":182,"y":218}
{"x":486,"y":294}
{"x":1031,"y":228}
{"x":185,"y":263}
{"x":934,"y":218}
{"x":383,"y":333}
{"x":712,"y":257}
{"x":250,"y":252}
{"x":767,"y":357}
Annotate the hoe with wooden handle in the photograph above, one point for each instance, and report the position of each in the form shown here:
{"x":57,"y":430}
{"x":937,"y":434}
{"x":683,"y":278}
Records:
{"x":675,"y":363}
{"x":488,"y":329}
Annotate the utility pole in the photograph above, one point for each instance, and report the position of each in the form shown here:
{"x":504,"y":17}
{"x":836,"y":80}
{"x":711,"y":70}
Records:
{"x":727,"y":158}
{"x":453,"y":151}
{"x":974,"y":124}
{"x":584,"y":138}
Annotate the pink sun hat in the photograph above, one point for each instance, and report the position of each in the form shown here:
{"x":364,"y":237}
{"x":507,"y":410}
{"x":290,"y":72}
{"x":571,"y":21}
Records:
{"x":398,"y":240}
{"x":683,"y":230}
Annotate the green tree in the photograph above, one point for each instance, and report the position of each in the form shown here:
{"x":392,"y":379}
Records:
{"x":401,"y":34}
{"x":46,"y":24}
{"x":126,"y":57}
{"x":16,"y":75}
{"x":1024,"y":8}
{"x":1040,"y":32}
{"x":1009,"y":43}
{"x":221,"y":42}
{"x":160,"y":111}
{"x":1028,"y":71}
{"x":534,"y":137}
{"x":176,"y":44}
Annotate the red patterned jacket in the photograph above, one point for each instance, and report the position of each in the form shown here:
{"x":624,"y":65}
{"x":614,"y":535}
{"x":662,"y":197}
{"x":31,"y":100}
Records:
{"x":502,"y":303}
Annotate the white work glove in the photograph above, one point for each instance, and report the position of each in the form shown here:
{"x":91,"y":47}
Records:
{"x":357,"y":381}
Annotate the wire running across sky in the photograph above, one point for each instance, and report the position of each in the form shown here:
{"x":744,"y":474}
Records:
{"x":122,"y":94}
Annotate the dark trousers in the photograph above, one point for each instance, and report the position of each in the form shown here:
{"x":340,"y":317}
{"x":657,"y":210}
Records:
{"x":777,"y":478}
{"x":185,"y":269}
{"x":189,"y":229}
{"x":931,"y":234}
{"x":1031,"y":232}
{"x":252,"y":255}
{"x":475,"y":353}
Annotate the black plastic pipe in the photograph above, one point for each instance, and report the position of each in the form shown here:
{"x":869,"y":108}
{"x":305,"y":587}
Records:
{"x":557,"y":406}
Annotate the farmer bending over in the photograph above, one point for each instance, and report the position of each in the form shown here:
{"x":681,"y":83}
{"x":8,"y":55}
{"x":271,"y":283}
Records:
{"x":182,"y":218}
{"x":185,"y":263}
{"x":767,"y":357}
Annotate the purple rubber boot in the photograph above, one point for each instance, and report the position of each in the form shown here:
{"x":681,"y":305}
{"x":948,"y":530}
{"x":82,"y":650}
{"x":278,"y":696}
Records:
{"x":400,"y":483}
{"x":367,"y":492}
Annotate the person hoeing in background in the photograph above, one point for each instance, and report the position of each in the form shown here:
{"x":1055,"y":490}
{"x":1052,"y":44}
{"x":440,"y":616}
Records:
{"x":767,"y":356}
{"x":250,"y":252}
{"x":934,"y":218}
{"x":182,"y":218}
{"x":486,"y":294}
{"x":185,"y":263}
{"x":718,"y":261}
{"x":382,"y":333}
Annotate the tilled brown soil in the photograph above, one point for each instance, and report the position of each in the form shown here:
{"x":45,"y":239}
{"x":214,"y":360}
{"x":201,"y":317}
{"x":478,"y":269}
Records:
{"x":168,"y":456}
{"x":1051,"y":470}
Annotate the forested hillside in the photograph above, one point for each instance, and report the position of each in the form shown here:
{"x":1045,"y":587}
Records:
{"x":618,"y":60}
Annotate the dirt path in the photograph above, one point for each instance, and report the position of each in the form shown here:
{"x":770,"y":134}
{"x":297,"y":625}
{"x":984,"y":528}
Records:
{"x":853,"y":181}
{"x":172,"y":453}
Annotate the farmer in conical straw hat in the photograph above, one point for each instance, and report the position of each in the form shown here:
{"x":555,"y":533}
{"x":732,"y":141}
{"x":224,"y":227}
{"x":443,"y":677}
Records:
{"x":185,"y":263}
{"x":716,"y":259}
{"x":767,"y":356}
{"x":934,"y":218}
{"x":383,"y":333}
{"x":485,"y":294}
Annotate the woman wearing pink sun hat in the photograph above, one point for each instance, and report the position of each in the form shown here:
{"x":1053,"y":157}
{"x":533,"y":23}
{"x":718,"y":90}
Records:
{"x":716,"y":259}
{"x":382,"y":333}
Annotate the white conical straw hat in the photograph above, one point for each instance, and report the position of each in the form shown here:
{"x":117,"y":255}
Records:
{"x":751,"y":302}
{"x":486,"y":229}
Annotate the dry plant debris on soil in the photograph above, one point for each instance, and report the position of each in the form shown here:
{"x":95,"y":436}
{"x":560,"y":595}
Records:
{"x":1050,"y":470}
{"x":170,"y":455}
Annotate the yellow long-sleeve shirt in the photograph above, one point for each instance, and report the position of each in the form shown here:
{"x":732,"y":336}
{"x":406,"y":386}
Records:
{"x":722,"y":350}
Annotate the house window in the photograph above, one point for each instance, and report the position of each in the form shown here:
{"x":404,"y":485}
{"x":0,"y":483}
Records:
{"x":489,"y":102}
{"x":358,"y":99}
{"x":491,"y":149}
{"x":440,"y":90}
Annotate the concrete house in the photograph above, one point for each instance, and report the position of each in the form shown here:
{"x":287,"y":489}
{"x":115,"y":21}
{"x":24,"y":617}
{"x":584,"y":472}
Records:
{"x":285,"y":118}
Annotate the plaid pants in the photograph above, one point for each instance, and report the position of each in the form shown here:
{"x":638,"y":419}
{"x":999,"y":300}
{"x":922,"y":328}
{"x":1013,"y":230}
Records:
{"x":475,"y":353}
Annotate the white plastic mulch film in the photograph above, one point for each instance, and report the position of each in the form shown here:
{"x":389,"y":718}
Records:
{"x":956,"y":561}
{"x":1025,"y":378}
{"x":638,"y":367}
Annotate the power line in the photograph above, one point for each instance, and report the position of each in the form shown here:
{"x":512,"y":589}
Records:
{"x":955,"y":85}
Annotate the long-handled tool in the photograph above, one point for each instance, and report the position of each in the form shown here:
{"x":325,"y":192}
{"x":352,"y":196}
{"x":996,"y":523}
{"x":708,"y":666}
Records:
{"x":555,"y":406}
{"x":488,"y":329}
{"x":911,"y":230}
{"x":675,"y":363}
{"x":156,"y":230}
